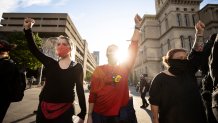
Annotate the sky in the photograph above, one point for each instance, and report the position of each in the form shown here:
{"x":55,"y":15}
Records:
{"x":99,"y":22}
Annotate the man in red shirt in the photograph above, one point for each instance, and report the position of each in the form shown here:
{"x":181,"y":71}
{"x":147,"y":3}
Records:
{"x":109,"y":84}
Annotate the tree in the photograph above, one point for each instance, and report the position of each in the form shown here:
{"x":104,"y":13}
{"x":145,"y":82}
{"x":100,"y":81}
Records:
{"x":88,"y":76}
{"x":21,"y":55}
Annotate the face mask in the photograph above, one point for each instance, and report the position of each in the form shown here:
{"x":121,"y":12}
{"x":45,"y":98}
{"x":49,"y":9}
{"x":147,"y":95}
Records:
{"x":177,"y":66}
{"x":62,"y":50}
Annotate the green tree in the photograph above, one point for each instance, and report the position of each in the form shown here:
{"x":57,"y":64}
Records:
{"x":88,"y":76}
{"x":21,"y":54}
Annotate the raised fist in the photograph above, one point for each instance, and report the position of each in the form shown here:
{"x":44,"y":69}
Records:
{"x":199,"y":27}
{"x":28,"y":23}
{"x":138,"y":20}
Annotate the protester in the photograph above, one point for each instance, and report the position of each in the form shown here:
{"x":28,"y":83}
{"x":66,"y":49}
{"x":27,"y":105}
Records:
{"x":174,"y":93}
{"x":213,"y":67}
{"x":207,"y":83}
{"x":58,"y":94}
{"x":109,"y":84}
{"x":144,"y":87}
{"x":12,"y":83}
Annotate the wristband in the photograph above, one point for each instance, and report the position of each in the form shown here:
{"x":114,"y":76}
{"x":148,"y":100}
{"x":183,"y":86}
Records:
{"x":138,"y":27}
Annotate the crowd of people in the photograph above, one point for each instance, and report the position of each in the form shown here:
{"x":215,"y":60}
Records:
{"x":174,"y":94}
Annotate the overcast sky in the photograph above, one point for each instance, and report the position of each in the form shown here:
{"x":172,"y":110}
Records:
{"x":99,"y":22}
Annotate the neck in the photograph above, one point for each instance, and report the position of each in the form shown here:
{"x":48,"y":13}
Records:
{"x":67,"y":58}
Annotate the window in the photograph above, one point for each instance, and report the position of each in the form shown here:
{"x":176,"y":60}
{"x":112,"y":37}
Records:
{"x":179,"y":19}
{"x":182,"y":41}
{"x":193,"y":19}
{"x":185,"y":9}
{"x":187,"y":20}
{"x":177,"y":9}
{"x":166,"y":23}
{"x":190,"y":42}
{"x":168,"y":44}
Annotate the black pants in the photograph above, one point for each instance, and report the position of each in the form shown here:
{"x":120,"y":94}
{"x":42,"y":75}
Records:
{"x":144,"y":101}
{"x":97,"y":118}
{"x":4,"y":105}
{"x":66,"y":117}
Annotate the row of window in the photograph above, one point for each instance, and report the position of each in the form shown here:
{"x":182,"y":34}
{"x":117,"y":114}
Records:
{"x":35,"y":18}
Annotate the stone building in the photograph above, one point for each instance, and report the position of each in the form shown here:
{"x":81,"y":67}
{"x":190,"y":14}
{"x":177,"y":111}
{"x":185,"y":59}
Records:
{"x":51,"y":25}
{"x":171,"y":27}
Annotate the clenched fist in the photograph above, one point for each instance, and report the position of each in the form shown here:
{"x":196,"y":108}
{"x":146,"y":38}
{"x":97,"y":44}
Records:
{"x":199,"y":27}
{"x":138,"y":20}
{"x":28,"y":23}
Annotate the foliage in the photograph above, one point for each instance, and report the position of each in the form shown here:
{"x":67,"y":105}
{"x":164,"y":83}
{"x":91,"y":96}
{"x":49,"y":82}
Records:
{"x":21,"y":55}
{"x":88,"y":76}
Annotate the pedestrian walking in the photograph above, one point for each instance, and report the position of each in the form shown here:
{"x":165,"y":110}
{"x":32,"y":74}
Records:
{"x":58,"y":94}
{"x":12,"y":80}
{"x":109,"y":85}
{"x":144,"y":87}
{"x":174,"y":93}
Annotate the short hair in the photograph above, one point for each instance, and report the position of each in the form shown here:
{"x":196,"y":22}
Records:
{"x":110,"y":46}
{"x":69,"y":41}
{"x":170,"y":55}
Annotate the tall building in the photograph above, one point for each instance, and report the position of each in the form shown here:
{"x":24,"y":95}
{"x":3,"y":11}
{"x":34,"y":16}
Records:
{"x":51,"y":25}
{"x":95,"y":54}
{"x":171,"y":27}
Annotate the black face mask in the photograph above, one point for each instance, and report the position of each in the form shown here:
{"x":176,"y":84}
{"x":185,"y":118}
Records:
{"x":177,"y":66}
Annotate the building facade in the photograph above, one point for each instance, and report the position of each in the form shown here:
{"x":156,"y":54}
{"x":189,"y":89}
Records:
{"x":171,"y":27}
{"x":51,"y":25}
{"x":95,"y":54}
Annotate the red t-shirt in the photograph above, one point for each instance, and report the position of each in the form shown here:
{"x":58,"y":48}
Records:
{"x":109,"y":96}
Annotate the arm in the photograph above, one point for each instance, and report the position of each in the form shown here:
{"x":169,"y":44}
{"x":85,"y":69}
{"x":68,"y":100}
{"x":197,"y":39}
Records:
{"x":133,"y":48}
{"x":80,"y":92}
{"x":28,"y":23}
{"x":213,"y":62}
{"x":155,"y":110}
{"x":196,"y":53}
{"x":91,"y":106}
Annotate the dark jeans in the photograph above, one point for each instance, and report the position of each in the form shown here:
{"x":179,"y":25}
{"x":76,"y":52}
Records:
{"x":144,"y":101}
{"x":97,"y":118}
{"x":66,"y":117}
{"x":215,"y":103}
{"x":4,"y":105}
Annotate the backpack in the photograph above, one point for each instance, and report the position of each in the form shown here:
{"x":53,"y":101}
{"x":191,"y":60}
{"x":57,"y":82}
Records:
{"x":18,"y":86}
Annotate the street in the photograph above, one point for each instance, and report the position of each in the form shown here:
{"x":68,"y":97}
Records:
{"x":22,"y":112}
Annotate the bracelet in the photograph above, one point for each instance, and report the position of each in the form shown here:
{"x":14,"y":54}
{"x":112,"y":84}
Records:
{"x":138,"y":27}
{"x":89,"y":113}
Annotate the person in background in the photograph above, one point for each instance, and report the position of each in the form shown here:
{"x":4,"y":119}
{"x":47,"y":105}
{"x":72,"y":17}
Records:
{"x":8,"y":73}
{"x":109,"y":83}
{"x":58,"y":94}
{"x":174,"y":93}
{"x":144,"y":87}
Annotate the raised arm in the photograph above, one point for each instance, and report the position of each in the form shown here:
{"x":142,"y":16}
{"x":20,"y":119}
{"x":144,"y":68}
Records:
{"x":28,"y":23}
{"x":195,"y":55}
{"x":133,"y":48}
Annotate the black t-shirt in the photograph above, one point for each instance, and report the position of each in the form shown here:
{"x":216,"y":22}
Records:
{"x":60,"y":83}
{"x":178,"y":99}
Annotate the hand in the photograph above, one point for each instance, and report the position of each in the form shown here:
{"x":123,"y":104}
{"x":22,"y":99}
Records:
{"x":89,"y":120}
{"x":199,"y":27}
{"x":138,"y":20}
{"x":28,"y":23}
